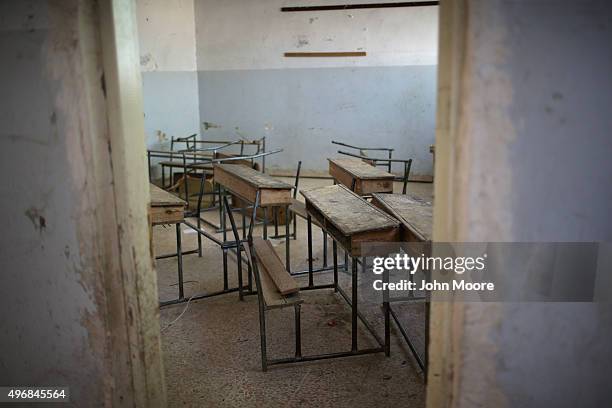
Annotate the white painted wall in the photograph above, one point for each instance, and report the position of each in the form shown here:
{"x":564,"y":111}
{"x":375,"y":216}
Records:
{"x":246,"y":34}
{"x":249,"y":88}
{"x":166,"y":30}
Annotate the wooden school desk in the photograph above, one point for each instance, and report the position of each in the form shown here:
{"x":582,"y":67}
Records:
{"x":416,"y":217}
{"x":351,"y":221}
{"x":247,"y":183}
{"x":166,"y":208}
{"x":360,"y":177}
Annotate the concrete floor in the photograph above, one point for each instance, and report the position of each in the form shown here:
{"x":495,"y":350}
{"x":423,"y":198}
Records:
{"x":212,"y":353}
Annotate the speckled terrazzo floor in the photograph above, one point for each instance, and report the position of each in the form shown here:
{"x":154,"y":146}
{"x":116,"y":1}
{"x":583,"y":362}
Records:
{"x":212,"y":354}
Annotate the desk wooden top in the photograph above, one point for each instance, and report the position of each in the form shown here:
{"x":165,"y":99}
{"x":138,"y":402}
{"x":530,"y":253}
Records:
{"x":348,"y":212}
{"x":360,"y":169}
{"x":253,"y":177}
{"x":162,"y":198}
{"x":165,"y":208}
{"x":415,"y":214}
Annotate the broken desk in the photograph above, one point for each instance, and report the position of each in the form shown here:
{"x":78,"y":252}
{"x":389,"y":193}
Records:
{"x":360,"y":177}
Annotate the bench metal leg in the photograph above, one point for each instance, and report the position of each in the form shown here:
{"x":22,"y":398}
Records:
{"x":262,"y":335}
{"x":386,"y":312}
{"x":354,"y":305}
{"x":298,"y":332}
{"x":179,"y":257}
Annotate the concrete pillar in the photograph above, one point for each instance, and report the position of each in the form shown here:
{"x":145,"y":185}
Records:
{"x":78,"y":292}
{"x":523,"y":154}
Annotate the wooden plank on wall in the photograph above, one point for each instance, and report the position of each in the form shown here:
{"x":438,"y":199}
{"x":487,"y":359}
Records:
{"x":326,"y":54}
{"x":361,"y":6}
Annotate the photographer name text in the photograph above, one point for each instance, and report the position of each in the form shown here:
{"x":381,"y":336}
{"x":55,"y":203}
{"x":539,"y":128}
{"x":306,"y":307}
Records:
{"x":456,"y":265}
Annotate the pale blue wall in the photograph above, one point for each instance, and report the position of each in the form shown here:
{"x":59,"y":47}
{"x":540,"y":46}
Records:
{"x":170,"y":105}
{"x":302,"y":110}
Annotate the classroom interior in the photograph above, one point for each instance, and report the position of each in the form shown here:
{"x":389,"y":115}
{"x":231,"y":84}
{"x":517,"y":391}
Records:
{"x":191,"y":182}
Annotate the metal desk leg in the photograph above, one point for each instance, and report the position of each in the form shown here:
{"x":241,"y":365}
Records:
{"x":223,"y":220}
{"x":426,"y":356}
{"x":310,"y":277}
{"x":199,"y":224}
{"x":243,"y":213}
{"x":220,"y":203}
{"x":276,"y":221}
{"x":239,"y":261}
{"x":294,"y":226}
{"x":223,"y":227}
{"x":199,"y":213}
{"x":386,"y":312}
{"x":287,"y":241}
{"x":186,"y":181}
{"x":225,"y":277}
{"x":335,"y":255}
{"x":149,"y":167}
{"x":298,"y":332}
{"x":346,"y":257}
{"x":179,"y":256}
{"x":244,"y":235}
{"x":354,"y":305}
{"x":265,"y":223}
{"x":324,"y":249}
{"x":262,"y":337}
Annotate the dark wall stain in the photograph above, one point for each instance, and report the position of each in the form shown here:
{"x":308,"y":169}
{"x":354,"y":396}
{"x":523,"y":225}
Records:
{"x":36,"y":217}
{"x":103,"y":84}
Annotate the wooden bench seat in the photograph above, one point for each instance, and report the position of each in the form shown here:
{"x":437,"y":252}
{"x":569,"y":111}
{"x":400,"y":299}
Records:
{"x":279,"y":289}
{"x":275,"y":287}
